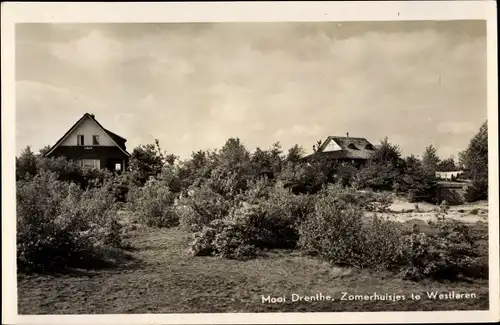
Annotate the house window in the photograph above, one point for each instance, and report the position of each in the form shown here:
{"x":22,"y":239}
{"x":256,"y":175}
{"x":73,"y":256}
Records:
{"x":95,"y":140}
{"x":118,"y":167}
{"x":352,"y":146}
{"x":79,"y":139}
{"x":93,"y":163}
{"x":369,"y":147}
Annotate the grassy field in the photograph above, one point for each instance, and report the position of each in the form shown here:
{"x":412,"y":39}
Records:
{"x":158,"y":277}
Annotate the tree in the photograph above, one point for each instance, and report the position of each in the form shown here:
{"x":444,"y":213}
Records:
{"x":267,"y":163}
{"x":295,"y":154}
{"x":148,"y":160}
{"x":387,"y":153}
{"x":233,"y":169}
{"x":383,"y":169}
{"x":44,"y":150}
{"x":416,"y":179}
{"x":26,"y":164}
{"x":197,"y":169}
{"x":318,"y":145}
{"x":430,"y":158}
{"x":447,"y":165}
{"x":475,"y":162}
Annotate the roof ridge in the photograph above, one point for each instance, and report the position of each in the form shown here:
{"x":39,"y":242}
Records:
{"x":92,"y":117}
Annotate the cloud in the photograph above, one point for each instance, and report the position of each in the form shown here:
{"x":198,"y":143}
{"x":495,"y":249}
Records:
{"x":92,"y":49}
{"x":288,"y":82}
{"x":454,"y":127}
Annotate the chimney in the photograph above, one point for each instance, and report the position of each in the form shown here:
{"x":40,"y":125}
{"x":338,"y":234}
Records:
{"x":347,"y":134}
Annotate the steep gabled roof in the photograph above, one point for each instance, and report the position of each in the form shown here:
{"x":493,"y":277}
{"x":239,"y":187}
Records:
{"x":117,"y":140}
{"x":351,"y":148}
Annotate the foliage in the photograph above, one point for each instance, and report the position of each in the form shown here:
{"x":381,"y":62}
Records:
{"x":272,"y":221}
{"x":295,"y":154}
{"x":26,"y":164}
{"x":269,"y":221}
{"x":197,"y":169}
{"x":267,"y":163}
{"x":387,"y":154}
{"x":416,"y":179}
{"x":60,"y":225}
{"x":202,"y":206}
{"x":222,"y":238}
{"x":375,"y":176}
{"x":430,"y":158}
{"x":447,"y":165}
{"x":475,"y":161}
{"x":449,"y":253}
{"x":147,"y":161}
{"x":154,"y":205}
{"x":303,"y":177}
{"x":337,"y":232}
{"x":382,"y":170}
{"x":318,"y":145}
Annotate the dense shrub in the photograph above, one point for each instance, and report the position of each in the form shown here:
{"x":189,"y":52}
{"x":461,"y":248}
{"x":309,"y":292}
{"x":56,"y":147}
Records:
{"x":338,"y":232}
{"x":202,"y":206}
{"x":154,"y":205}
{"x":273,"y":222}
{"x":223,"y":238}
{"x":267,"y":163}
{"x":367,"y":200}
{"x":147,"y":161}
{"x":303,"y":178}
{"x":282,"y":203}
{"x":269,"y":220}
{"x":257,"y":191}
{"x":70,"y":171}
{"x":376,"y":176}
{"x":476,"y":191}
{"x":273,"y":217}
{"x":346,"y":175}
{"x":417,"y":180}
{"x":449,"y":253}
{"x":60,"y":225}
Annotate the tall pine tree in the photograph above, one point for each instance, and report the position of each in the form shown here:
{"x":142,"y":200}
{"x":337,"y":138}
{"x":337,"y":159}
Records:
{"x":430,"y":158}
{"x":475,"y":162}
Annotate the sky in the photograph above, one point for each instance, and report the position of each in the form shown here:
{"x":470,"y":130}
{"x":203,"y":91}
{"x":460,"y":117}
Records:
{"x":194,"y":85}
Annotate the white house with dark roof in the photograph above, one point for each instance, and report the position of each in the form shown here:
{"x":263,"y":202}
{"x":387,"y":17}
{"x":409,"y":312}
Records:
{"x":89,"y":143}
{"x":346,"y":149}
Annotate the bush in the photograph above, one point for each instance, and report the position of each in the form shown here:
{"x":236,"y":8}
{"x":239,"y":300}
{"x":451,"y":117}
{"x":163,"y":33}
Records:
{"x":284,"y":205}
{"x":223,"y":238}
{"x":71,"y":171}
{"x":379,"y":177}
{"x":337,"y":232}
{"x":154,"y":205}
{"x":367,"y":200}
{"x":202,"y":206}
{"x":60,"y":225}
{"x":303,"y":178}
{"x":269,"y":221}
{"x":475,"y":192}
{"x":448,"y":254}
{"x":272,"y":220}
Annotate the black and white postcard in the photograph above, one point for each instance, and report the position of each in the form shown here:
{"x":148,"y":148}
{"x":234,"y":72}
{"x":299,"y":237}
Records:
{"x":240,"y":162}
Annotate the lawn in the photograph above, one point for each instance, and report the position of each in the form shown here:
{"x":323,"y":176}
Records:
{"x":158,"y":277}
